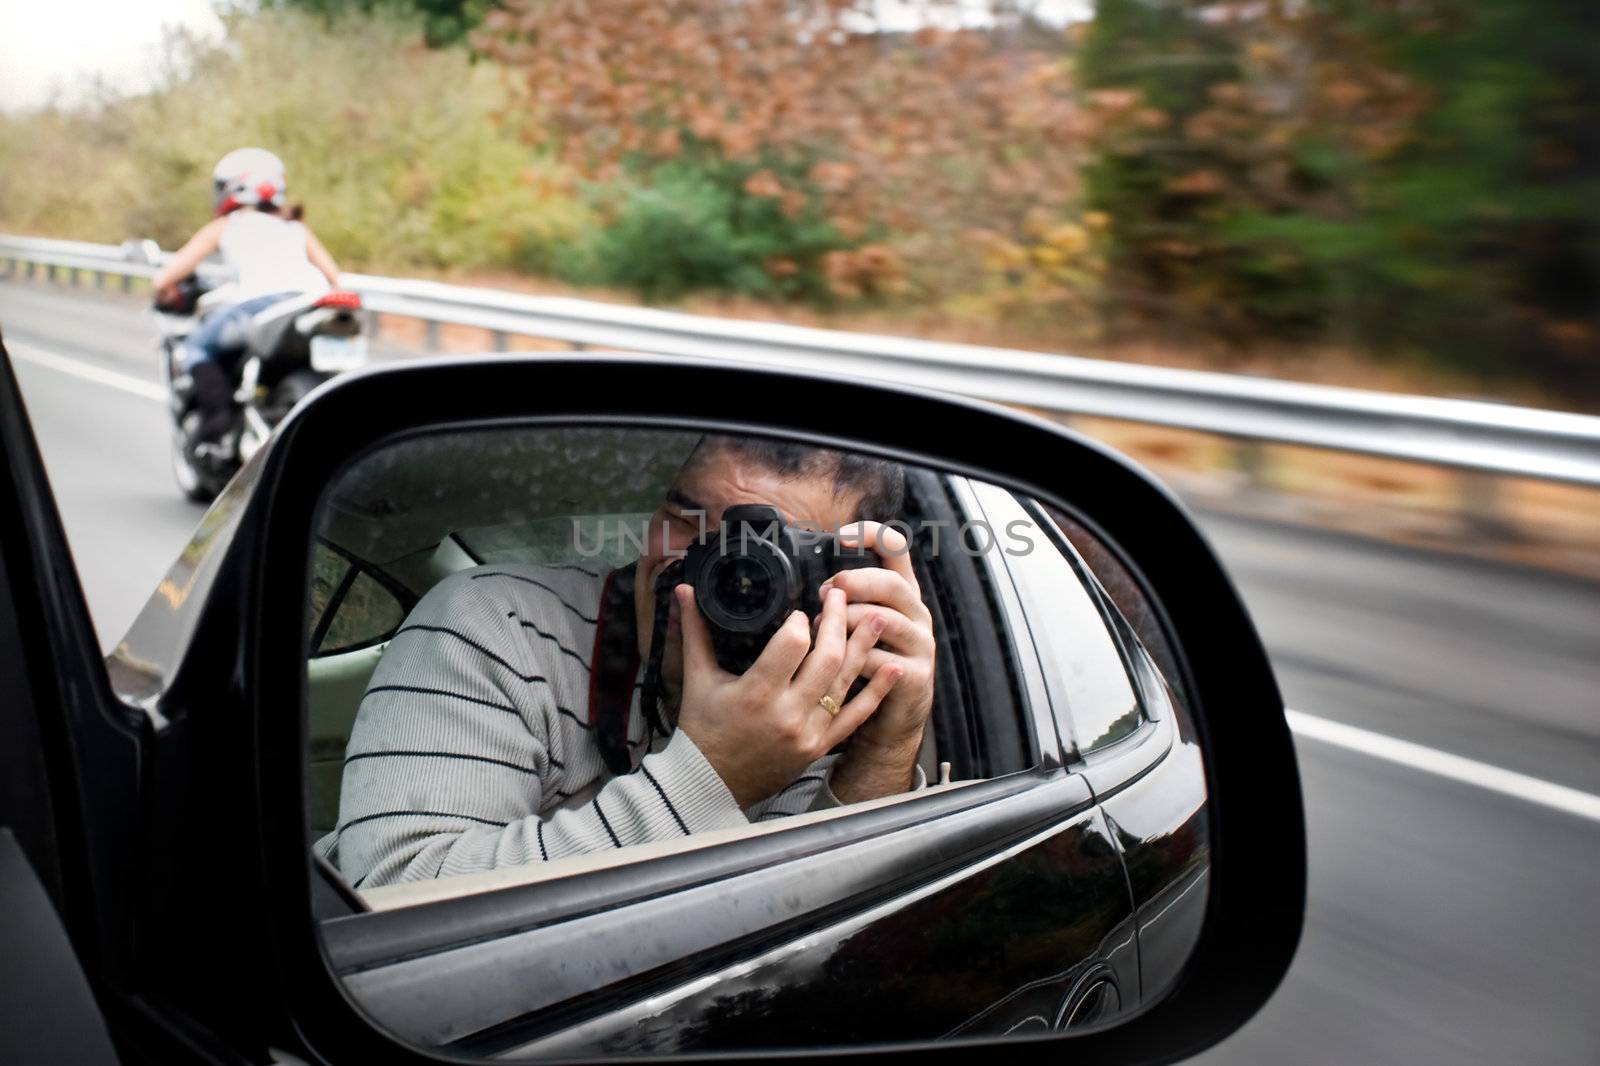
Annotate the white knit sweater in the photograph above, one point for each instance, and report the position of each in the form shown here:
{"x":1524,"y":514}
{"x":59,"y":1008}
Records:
{"x":472,"y":749}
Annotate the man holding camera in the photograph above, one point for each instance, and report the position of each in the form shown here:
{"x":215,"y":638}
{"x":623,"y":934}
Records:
{"x":526,"y":713}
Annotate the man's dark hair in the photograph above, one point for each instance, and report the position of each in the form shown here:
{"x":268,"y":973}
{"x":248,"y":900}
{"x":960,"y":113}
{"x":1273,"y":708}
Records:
{"x":880,"y":483}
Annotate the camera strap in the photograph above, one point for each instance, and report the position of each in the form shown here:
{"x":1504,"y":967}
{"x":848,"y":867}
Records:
{"x":650,"y":694}
{"x":614,"y":663}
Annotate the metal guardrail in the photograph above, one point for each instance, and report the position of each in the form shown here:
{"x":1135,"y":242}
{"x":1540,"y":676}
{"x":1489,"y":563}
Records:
{"x":1469,"y":435}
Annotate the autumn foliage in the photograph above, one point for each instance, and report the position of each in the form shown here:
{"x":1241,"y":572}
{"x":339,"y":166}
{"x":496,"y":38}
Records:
{"x":1402,"y":177}
{"x":918,"y":152}
{"x":1408,"y":179}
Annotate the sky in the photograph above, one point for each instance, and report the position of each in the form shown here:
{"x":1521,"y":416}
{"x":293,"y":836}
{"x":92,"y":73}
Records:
{"x":58,"y":46}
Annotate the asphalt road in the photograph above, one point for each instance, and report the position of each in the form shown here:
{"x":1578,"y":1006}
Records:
{"x":1448,"y":922}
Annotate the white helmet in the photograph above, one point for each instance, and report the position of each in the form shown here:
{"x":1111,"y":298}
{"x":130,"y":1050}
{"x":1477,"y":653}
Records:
{"x":247,"y":177}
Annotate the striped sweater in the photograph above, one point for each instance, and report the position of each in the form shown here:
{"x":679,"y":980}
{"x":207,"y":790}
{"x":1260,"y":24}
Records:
{"x":472,"y":748}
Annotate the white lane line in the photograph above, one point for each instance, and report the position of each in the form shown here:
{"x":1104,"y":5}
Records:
{"x":27,"y":353}
{"x":1455,"y":767}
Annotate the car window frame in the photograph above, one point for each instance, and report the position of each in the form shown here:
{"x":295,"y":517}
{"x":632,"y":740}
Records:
{"x":1115,"y":766}
{"x":1036,"y":688}
{"x":1058,"y":702}
{"x":973,"y":575}
{"x":1117,"y":627}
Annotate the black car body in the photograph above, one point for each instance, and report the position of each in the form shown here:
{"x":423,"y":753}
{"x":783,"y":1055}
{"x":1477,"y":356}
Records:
{"x":1073,"y":889}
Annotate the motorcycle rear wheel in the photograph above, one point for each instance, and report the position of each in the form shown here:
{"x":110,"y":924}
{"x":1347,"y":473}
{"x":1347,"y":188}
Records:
{"x":290,"y":391}
{"x":195,"y":482}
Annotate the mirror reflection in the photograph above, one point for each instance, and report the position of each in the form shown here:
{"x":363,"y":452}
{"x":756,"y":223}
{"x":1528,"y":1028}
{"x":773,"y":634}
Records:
{"x":631,"y":740}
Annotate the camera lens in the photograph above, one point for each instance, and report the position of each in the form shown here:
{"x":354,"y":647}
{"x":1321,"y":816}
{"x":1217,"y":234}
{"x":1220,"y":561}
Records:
{"x":741,"y":585}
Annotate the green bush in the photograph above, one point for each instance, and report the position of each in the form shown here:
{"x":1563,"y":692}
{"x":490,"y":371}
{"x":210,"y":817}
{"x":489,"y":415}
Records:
{"x":444,"y":22}
{"x":691,"y":225}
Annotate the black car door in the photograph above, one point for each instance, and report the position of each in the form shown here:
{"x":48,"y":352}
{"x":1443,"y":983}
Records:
{"x":51,"y":928}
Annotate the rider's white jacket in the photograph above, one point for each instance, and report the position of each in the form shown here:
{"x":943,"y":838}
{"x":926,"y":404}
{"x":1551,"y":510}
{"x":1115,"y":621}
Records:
{"x":268,"y":255}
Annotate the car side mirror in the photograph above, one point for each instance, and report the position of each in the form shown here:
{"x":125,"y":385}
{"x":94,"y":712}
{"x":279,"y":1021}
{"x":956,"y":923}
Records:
{"x":1101,"y":842}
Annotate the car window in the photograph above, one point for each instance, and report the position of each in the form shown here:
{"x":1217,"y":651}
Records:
{"x":351,"y":606}
{"x":497,"y":652}
{"x":368,"y":613}
{"x":1083,"y":663}
{"x":984,"y":720}
{"x":328,"y":570}
{"x":1130,"y":606}
{"x":552,"y":540}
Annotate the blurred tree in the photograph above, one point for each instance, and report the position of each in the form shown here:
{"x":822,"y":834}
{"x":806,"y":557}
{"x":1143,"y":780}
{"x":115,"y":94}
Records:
{"x":1145,"y":68}
{"x":1486,"y":219}
{"x":444,"y":22}
{"x":1414,"y":176}
{"x":900,"y":143}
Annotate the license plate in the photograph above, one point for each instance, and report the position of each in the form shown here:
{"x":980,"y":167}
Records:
{"x":332,"y":355}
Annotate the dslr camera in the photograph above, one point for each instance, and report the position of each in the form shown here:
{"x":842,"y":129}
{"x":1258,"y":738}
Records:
{"x":756,"y":570}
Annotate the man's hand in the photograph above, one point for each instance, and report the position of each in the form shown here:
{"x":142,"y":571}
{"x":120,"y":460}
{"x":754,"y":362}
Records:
{"x":759,"y":730}
{"x":881,"y":757}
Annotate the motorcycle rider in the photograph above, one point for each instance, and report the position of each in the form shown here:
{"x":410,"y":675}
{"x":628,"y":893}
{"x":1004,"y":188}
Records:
{"x":273,"y":256}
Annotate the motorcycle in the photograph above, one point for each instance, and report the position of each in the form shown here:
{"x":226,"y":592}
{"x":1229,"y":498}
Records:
{"x":289,"y":349}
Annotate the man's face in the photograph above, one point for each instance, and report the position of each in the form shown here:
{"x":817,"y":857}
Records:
{"x":708,"y":484}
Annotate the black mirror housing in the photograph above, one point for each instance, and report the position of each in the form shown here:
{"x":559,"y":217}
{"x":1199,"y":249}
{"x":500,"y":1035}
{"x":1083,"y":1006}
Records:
{"x":248,"y":615}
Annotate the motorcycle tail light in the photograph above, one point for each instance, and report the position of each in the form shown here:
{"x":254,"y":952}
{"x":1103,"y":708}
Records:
{"x":340,"y":298}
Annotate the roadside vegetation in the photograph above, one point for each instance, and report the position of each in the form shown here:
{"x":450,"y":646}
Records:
{"x":1319,"y":188}
{"x":394,"y":149}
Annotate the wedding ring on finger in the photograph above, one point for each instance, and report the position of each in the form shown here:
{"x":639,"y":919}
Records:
{"x":829,"y":704}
